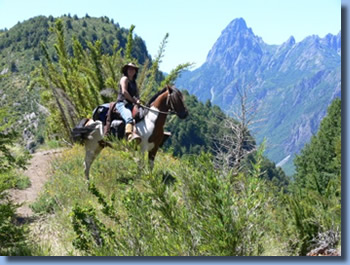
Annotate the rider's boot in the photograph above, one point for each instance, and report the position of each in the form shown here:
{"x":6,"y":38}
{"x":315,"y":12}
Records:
{"x":130,"y":134}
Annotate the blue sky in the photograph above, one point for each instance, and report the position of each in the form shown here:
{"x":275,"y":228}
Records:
{"x":193,"y":25}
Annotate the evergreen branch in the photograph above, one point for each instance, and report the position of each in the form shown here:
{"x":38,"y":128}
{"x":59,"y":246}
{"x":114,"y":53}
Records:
{"x":129,"y":44}
{"x":175,"y":73}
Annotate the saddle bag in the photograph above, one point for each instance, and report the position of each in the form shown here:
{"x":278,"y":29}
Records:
{"x":100,"y":113}
{"x":111,"y":119}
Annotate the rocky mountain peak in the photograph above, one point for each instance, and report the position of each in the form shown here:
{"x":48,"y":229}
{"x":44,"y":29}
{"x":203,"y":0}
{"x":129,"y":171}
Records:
{"x":234,"y":40}
{"x":237,"y":25}
{"x":333,"y":41}
{"x":292,"y":83}
{"x":290,"y":41}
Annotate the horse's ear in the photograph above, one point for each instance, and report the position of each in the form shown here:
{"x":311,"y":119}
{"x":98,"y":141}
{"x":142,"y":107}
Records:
{"x":168,"y":87}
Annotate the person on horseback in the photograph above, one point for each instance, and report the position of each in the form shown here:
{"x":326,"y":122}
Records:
{"x":128,"y":96}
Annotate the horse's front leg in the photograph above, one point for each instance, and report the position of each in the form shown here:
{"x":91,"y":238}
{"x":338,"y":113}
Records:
{"x":151,"y":157}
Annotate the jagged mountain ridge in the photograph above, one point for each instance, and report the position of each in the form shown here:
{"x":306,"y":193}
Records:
{"x":291,"y":84}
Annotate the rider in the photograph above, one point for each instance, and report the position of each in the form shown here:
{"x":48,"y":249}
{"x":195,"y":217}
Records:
{"x":127,"y":97}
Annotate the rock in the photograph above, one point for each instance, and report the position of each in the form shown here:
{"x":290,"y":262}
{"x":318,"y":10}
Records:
{"x":324,"y":251}
{"x":32,"y":116}
{"x":31,"y":145}
{"x":4,"y":71}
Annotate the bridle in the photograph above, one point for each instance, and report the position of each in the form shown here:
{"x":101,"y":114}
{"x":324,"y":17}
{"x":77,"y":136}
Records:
{"x":171,"y":107}
{"x":159,"y":111}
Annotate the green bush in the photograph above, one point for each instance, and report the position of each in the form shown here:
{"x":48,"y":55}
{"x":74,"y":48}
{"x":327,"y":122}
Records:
{"x":187,"y":207}
{"x":13,"y":238}
{"x":22,"y":182}
{"x":183,"y":207}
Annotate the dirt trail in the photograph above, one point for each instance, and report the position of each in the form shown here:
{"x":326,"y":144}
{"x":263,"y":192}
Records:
{"x":38,"y":172}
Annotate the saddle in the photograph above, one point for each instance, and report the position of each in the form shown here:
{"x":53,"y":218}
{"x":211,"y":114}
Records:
{"x":112,"y":120}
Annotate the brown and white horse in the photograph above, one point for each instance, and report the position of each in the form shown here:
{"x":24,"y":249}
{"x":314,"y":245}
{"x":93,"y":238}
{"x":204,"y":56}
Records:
{"x":150,"y":129}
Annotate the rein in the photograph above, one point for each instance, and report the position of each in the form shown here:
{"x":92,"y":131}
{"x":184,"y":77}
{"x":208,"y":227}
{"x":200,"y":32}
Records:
{"x":162,"y":112}
{"x":172,"y":112}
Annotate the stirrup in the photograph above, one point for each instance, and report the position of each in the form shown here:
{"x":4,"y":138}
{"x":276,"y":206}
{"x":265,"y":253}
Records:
{"x":134,"y":137}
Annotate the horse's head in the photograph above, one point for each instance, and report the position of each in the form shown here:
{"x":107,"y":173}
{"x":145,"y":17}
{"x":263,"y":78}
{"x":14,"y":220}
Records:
{"x":176,"y":103}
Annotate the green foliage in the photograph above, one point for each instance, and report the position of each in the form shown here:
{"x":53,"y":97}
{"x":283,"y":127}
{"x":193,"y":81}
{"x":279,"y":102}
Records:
{"x":184,"y":208}
{"x":309,"y":215}
{"x":201,"y":131}
{"x":74,"y":84}
{"x":89,"y":230}
{"x":44,"y":205}
{"x":20,"y":47}
{"x":320,"y":160}
{"x":13,"y":67}
{"x":129,"y":44}
{"x":227,"y":209}
{"x":175,"y":73}
{"x":23,"y":42}
{"x":270,"y":172}
{"x":198,"y":131}
{"x":22,"y":182}
{"x":314,"y":201}
{"x":12,"y":237}
{"x":7,"y":138}
{"x":108,"y":208}
{"x":187,"y":206}
{"x":152,"y":87}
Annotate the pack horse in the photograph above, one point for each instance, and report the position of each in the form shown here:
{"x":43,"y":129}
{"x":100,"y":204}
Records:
{"x":150,"y":128}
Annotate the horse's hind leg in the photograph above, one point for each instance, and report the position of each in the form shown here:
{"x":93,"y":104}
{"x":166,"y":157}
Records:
{"x":91,"y":152}
{"x":92,"y":145}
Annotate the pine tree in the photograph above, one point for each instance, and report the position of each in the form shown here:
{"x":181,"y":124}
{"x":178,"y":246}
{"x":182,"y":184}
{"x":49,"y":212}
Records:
{"x":151,"y":86}
{"x":86,"y":77}
{"x":313,"y":203}
{"x":320,"y":160}
{"x":12,"y":237}
{"x":73,"y":85}
{"x":129,"y":44}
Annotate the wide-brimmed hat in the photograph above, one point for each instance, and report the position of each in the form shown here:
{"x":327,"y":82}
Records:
{"x":125,"y":67}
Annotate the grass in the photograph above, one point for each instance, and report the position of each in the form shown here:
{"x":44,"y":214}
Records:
{"x":51,"y":144}
{"x":183,"y":207}
{"x":68,"y":187}
{"x":138,"y":205}
{"x":22,"y":182}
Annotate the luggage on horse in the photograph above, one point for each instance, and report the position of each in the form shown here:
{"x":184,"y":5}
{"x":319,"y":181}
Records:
{"x":112,"y":121}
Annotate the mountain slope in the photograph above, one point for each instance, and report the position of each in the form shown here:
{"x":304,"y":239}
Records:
{"x":290,"y":84}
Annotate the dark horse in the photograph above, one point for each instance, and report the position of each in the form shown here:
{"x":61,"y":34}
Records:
{"x":150,"y":129}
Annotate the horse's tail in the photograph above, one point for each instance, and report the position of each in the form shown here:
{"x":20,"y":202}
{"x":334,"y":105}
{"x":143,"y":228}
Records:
{"x":80,"y":133}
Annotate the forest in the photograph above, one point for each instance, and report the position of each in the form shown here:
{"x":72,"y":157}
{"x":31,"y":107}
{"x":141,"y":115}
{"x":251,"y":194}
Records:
{"x":212,"y":191}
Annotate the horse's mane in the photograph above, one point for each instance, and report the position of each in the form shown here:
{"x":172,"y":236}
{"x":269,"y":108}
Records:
{"x":176,"y":95}
{"x":156,"y":95}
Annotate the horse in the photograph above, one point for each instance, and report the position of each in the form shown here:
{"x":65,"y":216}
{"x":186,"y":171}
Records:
{"x":150,"y":129}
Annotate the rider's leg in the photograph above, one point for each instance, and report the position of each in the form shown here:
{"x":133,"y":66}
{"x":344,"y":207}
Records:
{"x":126,"y":114}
